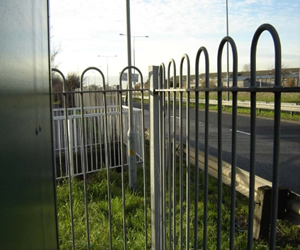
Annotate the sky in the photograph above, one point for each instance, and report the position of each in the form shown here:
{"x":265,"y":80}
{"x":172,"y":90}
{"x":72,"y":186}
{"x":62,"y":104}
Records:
{"x":88,"y":33}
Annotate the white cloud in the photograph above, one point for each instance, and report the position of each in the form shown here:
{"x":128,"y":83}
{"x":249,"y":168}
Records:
{"x":86,"y":29}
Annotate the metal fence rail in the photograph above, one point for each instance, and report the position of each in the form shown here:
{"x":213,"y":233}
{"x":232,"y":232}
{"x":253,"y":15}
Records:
{"x":287,"y":107}
{"x":94,"y":134}
{"x":87,"y":139}
{"x":167,"y":133}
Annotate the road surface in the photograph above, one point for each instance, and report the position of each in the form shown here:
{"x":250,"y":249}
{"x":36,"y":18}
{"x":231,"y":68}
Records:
{"x":289,"y":170}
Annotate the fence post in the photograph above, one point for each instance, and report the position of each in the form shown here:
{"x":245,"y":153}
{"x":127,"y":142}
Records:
{"x":261,"y":223}
{"x":154,"y":158}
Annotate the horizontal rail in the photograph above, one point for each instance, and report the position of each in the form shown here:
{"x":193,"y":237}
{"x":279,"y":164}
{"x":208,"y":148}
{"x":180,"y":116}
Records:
{"x":94,"y":142}
{"x":287,"y":107}
{"x":242,"y":182}
{"x":242,"y":176}
{"x":112,"y":91}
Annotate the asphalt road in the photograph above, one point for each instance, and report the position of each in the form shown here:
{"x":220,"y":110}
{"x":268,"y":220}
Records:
{"x":289,"y":169}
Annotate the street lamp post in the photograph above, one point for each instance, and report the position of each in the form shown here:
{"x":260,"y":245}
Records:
{"x":107,"y":82}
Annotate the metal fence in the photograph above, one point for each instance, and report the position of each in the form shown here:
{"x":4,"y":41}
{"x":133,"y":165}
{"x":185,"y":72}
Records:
{"x":175,"y":181}
{"x":176,"y":216}
{"x":95,"y":138}
{"x":89,"y":138}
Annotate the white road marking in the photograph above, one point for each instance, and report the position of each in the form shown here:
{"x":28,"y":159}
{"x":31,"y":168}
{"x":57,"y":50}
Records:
{"x":242,"y":132}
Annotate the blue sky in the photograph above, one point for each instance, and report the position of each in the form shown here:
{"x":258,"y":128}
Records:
{"x":87,"y":28}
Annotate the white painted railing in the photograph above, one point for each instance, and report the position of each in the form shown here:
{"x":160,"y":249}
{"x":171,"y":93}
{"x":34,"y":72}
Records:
{"x":94,"y":138}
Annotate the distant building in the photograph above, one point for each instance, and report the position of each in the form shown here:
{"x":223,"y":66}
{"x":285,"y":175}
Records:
{"x":264,"y":78}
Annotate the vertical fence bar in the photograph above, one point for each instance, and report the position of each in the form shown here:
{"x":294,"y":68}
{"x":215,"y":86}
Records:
{"x":84,"y":133}
{"x":185,"y":57}
{"x":276,"y":150}
{"x":196,"y":178}
{"x":220,"y":155}
{"x":205,"y":201}
{"x":107,"y":163}
{"x":68,"y":164}
{"x":122,"y":165}
{"x":233,"y":167}
{"x":162,"y":150}
{"x":233,"y":140}
{"x":84,"y":160}
{"x":188,"y":167}
{"x":276,"y":143}
{"x":144,"y":165}
{"x":67,"y":156}
{"x":154,"y":159}
{"x":230,"y":41}
{"x":169,"y":159}
{"x":276,"y":154}
{"x":174,"y":158}
{"x":206,"y":148}
{"x":252,"y":147}
{"x":180,"y":159}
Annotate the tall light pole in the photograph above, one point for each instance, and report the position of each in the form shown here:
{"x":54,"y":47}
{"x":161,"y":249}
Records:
{"x":133,"y":48}
{"x":107,"y":66}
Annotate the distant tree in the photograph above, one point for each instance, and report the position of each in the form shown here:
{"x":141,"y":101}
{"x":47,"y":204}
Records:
{"x":72,"y":81}
{"x":55,"y":49}
{"x":56,"y":79}
{"x":57,"y":86}
{"x":246,"y":67}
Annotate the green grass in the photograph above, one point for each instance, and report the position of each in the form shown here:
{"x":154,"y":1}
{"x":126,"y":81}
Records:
{"x":259,"y":112}
{"x":288,"y":236}
{"x":267,"y":97}
{"x":98,"y":214}
{"x":245,"y":96}
{"x":260,"y":96}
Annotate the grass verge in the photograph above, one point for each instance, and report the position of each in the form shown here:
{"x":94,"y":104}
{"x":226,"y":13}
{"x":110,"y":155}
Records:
{"x":288,"y":236}
{"x":246,"y":111}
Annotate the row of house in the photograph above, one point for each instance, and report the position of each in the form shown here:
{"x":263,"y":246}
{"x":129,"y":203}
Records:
{"x":264,"y":78}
